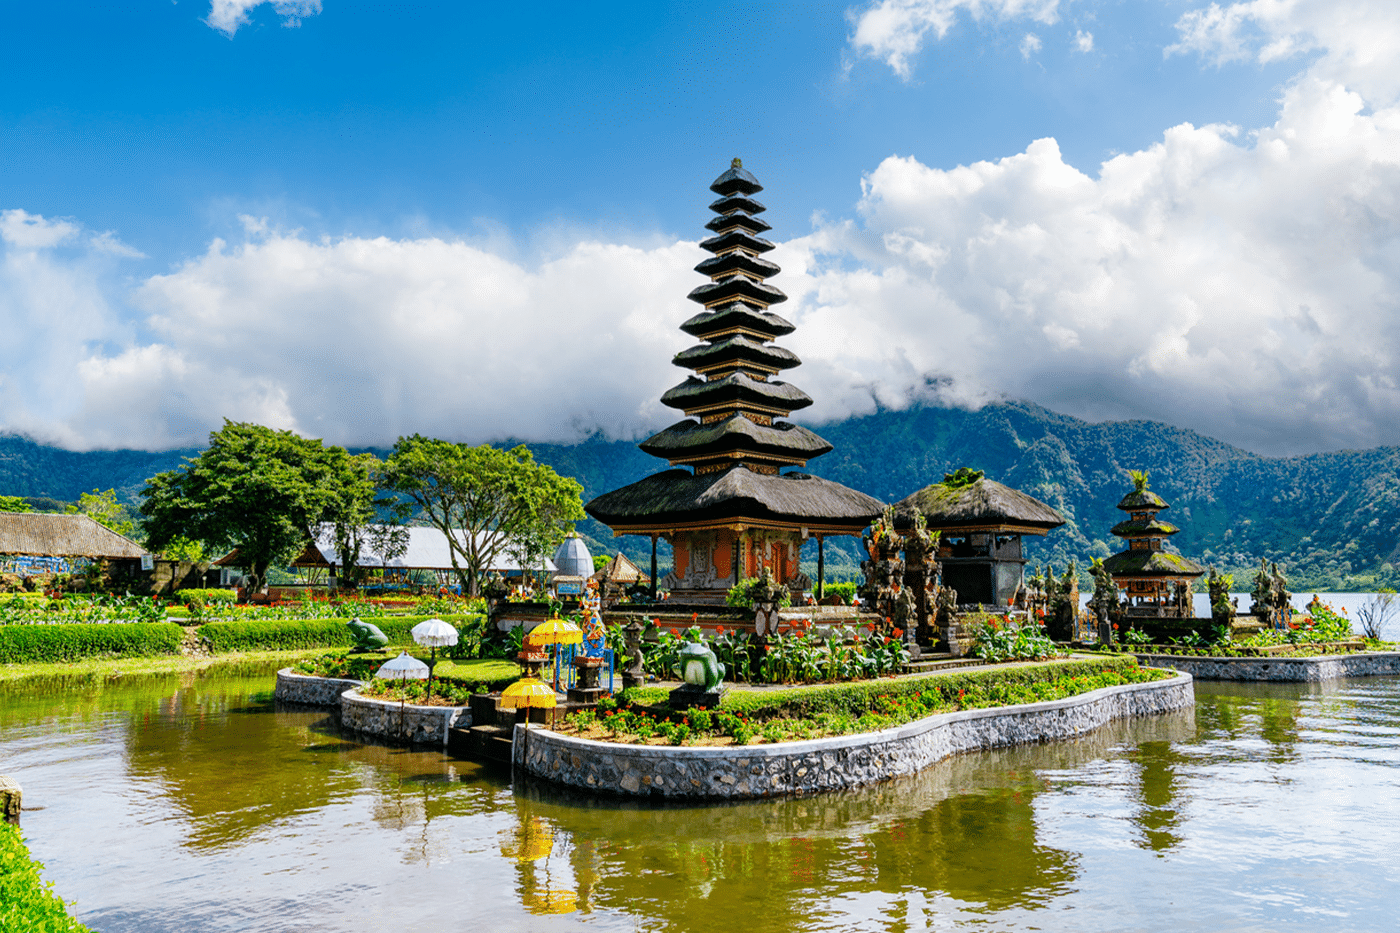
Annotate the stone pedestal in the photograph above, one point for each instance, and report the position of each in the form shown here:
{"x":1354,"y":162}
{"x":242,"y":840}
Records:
{"x":11,"y":798}
{"x":587,"y":688}
{"x":690,"y":696}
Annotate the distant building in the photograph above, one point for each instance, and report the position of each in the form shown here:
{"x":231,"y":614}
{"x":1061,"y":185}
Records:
{"x":35,"y":543}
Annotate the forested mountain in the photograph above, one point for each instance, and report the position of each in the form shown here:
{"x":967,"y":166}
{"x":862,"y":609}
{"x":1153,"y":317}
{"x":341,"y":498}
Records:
{"x":1332,"y":520}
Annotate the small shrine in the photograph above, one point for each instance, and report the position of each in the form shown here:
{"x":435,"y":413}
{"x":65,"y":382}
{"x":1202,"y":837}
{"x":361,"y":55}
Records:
{"x":980,"y":524}
{"x":726,"y":508}
{"x":1154,"y":582}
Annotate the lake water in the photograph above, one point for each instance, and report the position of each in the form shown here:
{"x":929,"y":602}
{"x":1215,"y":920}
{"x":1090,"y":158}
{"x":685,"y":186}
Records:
{"x":194,"y":804}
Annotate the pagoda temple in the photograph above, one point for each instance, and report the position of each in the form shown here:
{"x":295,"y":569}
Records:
{"x":726,"y":507}
{"x":1154,"y":582}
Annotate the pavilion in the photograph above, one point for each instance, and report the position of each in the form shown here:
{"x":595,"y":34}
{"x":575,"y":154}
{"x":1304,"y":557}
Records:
{"x":1154,"y":582}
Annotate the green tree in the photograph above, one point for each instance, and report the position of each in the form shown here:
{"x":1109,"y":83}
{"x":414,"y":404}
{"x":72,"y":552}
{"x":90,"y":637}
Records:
{"x":14,"y":504}
{"x":103,"y":508}
{"x":357,"y":518}
{"x":497,"y":497}
{"x":255,"y":489}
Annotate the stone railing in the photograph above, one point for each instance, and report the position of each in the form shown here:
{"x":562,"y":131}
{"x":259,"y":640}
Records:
{"x":311,"y":691}
{"x":419,"y":725}
{"x":833,"y":763}
{"x":1299,"y":670}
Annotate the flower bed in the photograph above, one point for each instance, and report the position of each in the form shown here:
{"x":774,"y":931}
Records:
{"x":844,"y":709}
{"x":808,"y":653}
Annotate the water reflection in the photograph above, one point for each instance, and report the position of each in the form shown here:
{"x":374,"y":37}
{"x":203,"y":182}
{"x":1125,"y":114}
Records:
{"x":212,"y":809}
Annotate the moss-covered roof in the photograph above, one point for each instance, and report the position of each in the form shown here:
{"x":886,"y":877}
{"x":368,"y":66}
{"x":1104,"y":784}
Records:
{"x":1144,"y":499}
{"x":1143,"y":528}
{"x":1151,"y":564}
{"x":741,"y":220}
{"x":736,"y":288}
{"x":981,"y":503}
{"x":678,"y":496}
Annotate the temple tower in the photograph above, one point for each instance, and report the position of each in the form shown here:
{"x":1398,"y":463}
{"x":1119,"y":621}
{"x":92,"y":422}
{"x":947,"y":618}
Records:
{"x":726,"y":507}
{"x":1154,"y":582}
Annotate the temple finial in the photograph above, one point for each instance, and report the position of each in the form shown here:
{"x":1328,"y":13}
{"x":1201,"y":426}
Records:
{"x":737,"y":163}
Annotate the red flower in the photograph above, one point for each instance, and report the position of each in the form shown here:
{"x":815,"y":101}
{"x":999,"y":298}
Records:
{"x":898,"y":633}
{"x":675,"y":631}
{"x":888,"y":639}
{"x":719,"y":630}
{"x":694,"y":617}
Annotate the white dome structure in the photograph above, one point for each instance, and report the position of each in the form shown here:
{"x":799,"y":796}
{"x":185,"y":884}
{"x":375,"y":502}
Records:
{"x":572,"y":558}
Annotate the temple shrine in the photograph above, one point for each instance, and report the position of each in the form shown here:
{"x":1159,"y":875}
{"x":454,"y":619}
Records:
{"x":726,"y":508}
{"x":980,"y":524}
{"x":1154,"y":582}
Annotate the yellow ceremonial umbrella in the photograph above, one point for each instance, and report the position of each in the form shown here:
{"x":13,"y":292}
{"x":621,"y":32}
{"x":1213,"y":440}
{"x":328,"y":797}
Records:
{"x":555,"y":631}
{"x":529,"y":692}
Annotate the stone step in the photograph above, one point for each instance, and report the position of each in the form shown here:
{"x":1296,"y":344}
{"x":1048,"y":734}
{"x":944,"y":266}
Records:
{"x":947,"y":663}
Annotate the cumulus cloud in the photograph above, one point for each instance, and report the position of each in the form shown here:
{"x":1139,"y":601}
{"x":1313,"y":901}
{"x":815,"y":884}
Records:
{"x":228,"y":15}
{"x":895,"y":30}
{"x":1242,"y":283}
{"x":1083,"y":41}
{"x":1030,"y":44}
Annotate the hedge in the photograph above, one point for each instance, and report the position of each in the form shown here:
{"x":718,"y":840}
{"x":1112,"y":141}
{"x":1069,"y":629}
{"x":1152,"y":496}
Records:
{"x":27,"y":901}
{"x":291,"y":634}
{"x":52,"y":643}
{"x":858,"y":697}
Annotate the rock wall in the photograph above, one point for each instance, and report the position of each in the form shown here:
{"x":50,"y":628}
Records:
{"x":1302,"y":670}
{"x":419,"y":725}
{"x":311,"y":691}
{"x":833,"y":763}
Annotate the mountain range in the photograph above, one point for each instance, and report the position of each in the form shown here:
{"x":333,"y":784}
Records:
{"x":1331,"y":520}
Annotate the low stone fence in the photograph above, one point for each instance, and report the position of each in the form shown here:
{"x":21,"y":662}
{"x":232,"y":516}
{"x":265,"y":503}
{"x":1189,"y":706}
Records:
{"x":421,"y":725}
{"x":829,"y":764}
{"x":1301,"y":670}
{"x":311,"y":691}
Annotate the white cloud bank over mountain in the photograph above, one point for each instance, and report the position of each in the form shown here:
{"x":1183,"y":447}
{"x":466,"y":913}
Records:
{"x":1244,"y":284}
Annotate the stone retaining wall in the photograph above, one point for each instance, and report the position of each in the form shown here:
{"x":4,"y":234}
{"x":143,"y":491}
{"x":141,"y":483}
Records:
{"x":421,"y":725}
{"x":311,"y":691}
{"x":1304,"y":670}
{"x":833,"y":763}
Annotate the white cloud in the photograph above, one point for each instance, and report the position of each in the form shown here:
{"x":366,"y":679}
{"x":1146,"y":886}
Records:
{"x":1030,"y":44}
{"x":894,"y":30}
{"x":227,"y":15}
{"x":1083,"y":41}
{"x":30,"y":231}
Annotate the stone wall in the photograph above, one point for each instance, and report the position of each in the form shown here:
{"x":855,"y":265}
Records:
{"x":1302,"y":670}
{"x":833,"y":763}
{"x":420,"y":725}
{"x":311,"y":691}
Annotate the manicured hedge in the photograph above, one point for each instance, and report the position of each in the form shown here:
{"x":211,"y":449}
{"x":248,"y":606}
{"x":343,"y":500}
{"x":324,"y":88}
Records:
{"x":27,"y":901}
{"x":52,"y":643}
{"x":291,"y":634}
{"x":858,"y":697}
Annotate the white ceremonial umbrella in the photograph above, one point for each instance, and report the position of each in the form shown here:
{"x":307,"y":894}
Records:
{"x":431,"y":633}
{"x":404,"y":667}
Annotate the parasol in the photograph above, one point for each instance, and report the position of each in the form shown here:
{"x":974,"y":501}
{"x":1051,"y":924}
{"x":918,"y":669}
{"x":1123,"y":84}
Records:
{"x":433,"y":633}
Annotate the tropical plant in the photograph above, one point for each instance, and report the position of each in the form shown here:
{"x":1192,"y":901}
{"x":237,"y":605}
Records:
{"x":103,"y":508}
{"x":14,"y":504}
{"x":1007,"y":639}
{"x":482,"y":499}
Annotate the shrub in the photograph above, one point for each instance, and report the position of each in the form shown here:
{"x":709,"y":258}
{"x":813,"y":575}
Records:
{"x":54,"y":643}
{"x":27,"y":901}
{"x":293,"y":634}
{"x":207,"y":596}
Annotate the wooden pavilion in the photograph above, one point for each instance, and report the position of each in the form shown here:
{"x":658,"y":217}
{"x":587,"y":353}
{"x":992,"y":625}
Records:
{"x":981,"y":523}
{"x":726,"y":508}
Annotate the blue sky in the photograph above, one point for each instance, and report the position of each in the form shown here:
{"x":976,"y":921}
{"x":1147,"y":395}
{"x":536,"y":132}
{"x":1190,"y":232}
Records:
{"x":320,"y":215}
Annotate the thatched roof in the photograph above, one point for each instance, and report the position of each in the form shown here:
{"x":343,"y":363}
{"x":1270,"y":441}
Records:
{"x":678,"y":497}
{"x":1143,"y":528}
{"x":621,"y":571}
{"x":1151,"y":564}
{"x":37,"y":534}
{"x":737,"y":388}
{"x":692,"y":440}
{"x":1142,"y":499}
{"x":984,"y":505}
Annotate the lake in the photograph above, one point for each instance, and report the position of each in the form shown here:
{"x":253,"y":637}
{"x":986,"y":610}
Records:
{"x":195,"y":804}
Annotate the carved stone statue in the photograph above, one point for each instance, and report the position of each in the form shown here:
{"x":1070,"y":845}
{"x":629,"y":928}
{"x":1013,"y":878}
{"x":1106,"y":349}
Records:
{"x":367,"y":637}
